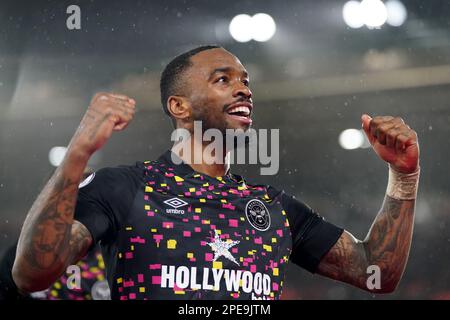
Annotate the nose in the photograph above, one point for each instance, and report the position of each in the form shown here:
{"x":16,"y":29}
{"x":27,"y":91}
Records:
{"x":242,"y":90}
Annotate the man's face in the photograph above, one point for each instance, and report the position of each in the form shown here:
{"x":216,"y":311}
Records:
{"x":219,"y":92}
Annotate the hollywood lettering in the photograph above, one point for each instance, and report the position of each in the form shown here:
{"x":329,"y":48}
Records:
{"x":215,"y":279}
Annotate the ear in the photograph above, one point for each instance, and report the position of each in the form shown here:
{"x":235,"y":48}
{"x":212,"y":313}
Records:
{"x":179,"y":107}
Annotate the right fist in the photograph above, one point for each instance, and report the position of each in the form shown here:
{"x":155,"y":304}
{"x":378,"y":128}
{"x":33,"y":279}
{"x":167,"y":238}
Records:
{"x":106,"y":113}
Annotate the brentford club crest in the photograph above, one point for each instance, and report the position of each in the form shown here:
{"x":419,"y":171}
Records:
{"x":257,"y":215}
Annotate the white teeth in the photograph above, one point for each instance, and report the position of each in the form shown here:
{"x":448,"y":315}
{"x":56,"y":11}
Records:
{"x":245,"y":110}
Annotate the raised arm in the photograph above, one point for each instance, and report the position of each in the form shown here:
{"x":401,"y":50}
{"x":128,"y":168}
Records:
{"x":50,"y":238}
{"x":388,"y":241}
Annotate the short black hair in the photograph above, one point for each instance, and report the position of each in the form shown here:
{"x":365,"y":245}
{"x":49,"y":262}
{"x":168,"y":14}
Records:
{"x":171,"y":75}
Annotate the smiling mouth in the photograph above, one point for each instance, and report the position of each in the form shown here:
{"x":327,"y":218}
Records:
{"x":240,"y":111}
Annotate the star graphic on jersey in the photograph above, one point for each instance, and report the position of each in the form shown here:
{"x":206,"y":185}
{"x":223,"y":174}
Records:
{"x":221,"y":248}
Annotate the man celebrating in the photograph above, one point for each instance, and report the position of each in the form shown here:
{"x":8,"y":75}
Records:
{"x":176,"y":229}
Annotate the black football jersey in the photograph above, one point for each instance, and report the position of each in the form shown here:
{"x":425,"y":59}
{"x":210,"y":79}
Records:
{"x":168,"y":232}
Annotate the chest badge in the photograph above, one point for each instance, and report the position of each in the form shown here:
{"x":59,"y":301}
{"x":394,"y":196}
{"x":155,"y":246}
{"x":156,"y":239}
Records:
{"x":257,"y":215}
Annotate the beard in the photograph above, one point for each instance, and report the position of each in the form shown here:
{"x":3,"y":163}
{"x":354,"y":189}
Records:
{"x":210,"y":121}
{"x":232,"y":138}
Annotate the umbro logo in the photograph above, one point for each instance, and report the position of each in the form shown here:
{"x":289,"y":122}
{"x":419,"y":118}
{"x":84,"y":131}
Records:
{"x":175,"y":203}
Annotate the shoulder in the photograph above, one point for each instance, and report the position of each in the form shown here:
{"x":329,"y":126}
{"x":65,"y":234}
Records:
{"x":114,"y":176}
{"x":269,"y":190}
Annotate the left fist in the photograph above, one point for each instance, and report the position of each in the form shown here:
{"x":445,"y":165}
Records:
{"x":393,"y":141}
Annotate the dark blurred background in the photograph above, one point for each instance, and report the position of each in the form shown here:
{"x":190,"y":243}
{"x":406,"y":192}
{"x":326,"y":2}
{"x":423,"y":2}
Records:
{"x":312,"y":79}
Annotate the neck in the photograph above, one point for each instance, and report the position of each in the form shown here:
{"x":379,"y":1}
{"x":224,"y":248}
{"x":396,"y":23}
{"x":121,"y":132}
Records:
{"x":193,"y":153}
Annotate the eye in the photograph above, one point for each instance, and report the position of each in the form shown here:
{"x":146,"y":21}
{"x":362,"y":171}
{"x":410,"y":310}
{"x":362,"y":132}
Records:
{"x":222,"y":79}
{"x":246,"y":82}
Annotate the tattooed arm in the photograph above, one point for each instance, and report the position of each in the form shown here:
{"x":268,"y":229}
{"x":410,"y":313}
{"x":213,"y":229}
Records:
{"x":388,"y":242}
{"x":387,"y":246}
{"x":50,"y":238}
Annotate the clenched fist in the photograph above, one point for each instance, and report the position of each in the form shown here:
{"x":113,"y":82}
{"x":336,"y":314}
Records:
{"x":393,"y":141}
{"x":106,"y":113}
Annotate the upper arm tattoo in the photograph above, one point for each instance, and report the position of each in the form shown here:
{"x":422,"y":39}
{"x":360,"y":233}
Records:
{"x":51,"y":237}
{"x":48,"y":228}
{"x":346,"y":261}
{"x":80,"y":241}
{"x":387,"y":246}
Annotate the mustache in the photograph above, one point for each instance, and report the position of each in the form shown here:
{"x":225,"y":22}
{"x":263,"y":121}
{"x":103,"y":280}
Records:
{"x":238,"y":100}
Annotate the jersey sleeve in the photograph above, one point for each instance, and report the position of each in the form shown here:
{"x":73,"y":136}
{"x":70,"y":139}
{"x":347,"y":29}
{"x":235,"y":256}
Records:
{"x":104,"y":199}
{"x":312,"y":235}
